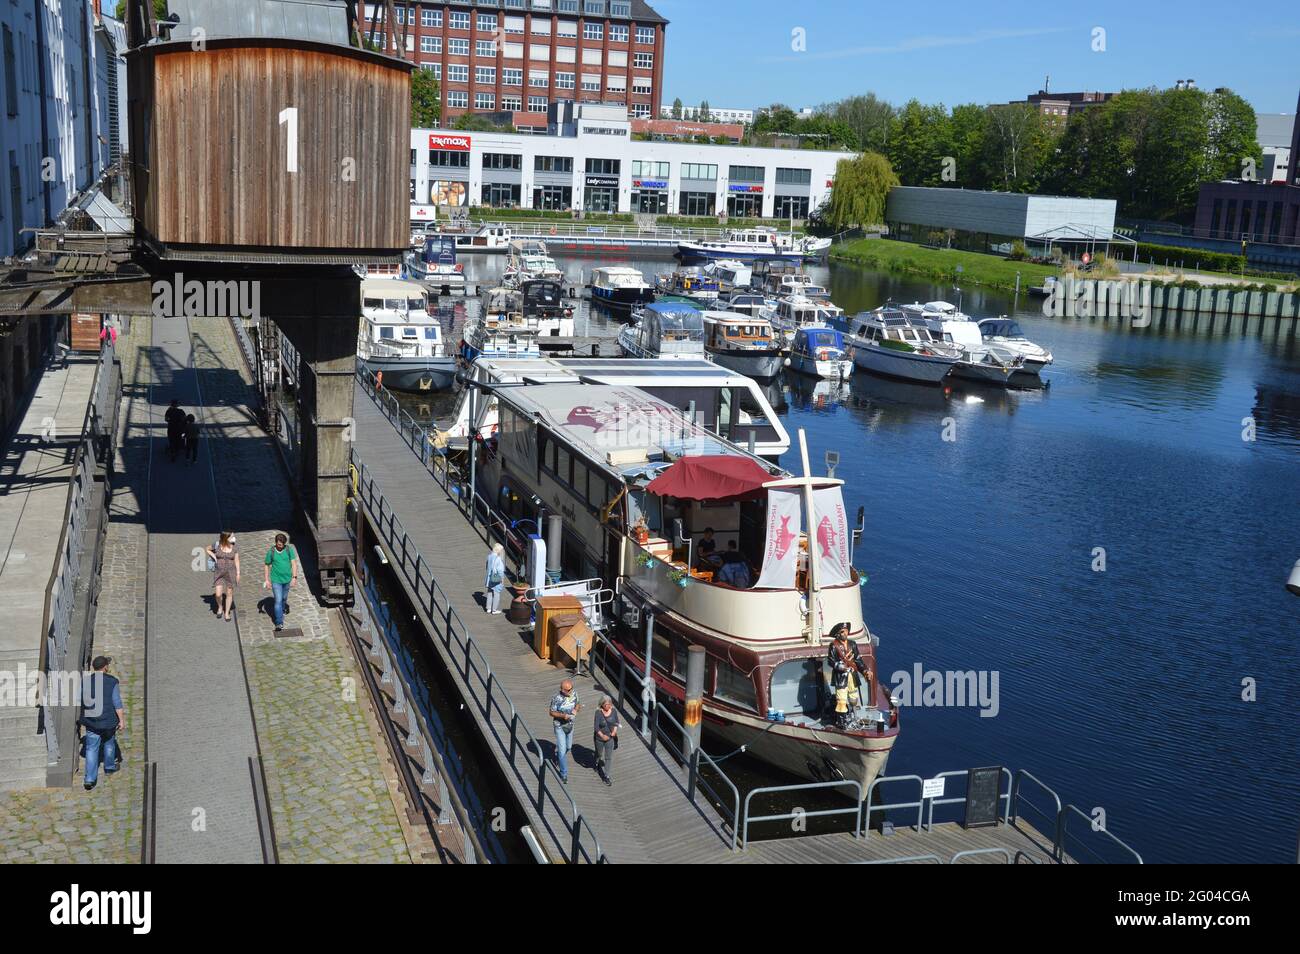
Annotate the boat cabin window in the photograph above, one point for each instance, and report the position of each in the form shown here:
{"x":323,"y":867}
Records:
{"x":385,"y":331}
{"x":430,"y":333}
{"x":415,"y":304}
{"x":797,"y":686}
{"x":409,"y":332}
{"x":373,"y":303}
{"x":395,"y":304}
{"x":661,"y":651}
{"x":733,"y":685}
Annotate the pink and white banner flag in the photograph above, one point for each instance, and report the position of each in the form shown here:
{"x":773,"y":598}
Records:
{"x":781,"y":551}
{"x":833,"y":557}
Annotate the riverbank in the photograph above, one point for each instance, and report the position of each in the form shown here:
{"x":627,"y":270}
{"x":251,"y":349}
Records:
{"x":941,"y":264}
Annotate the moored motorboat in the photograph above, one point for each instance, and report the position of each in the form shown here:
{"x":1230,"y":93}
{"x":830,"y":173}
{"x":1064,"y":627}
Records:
{"x":742,"y":343}
{"x":688,"y":282}
{"x":886,"y":341}
{"x":621,"y":287}
{"x":398,"y":341}
{"x":1005,"y":333}
{"x":664,"y":330}
{"x":819,"y":350}
{"x":748,"y":245}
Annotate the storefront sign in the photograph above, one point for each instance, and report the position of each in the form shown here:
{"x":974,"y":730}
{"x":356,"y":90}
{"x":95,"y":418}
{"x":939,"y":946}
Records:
{"x":448,"y":142}
{"x":602,"y":181}
{"x":649,"y":184}
{"x":745,"y":188}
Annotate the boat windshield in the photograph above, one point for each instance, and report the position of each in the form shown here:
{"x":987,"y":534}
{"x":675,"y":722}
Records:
{"x":1002,"y":328}
{"x":823,"y":339}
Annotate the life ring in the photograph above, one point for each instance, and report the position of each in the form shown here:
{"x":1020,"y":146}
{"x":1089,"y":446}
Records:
{"x":553,"y":231}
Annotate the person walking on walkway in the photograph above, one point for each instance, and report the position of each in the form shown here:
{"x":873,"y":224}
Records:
{"x":225,"y":559}
{"x":607,"y":723}
{"x":102,"y":718}
{"x":175,"y":419}
{"x":281,"y":572}
{"x":495,"y":579}
{"x":191,"y":439}
{"x":564,"y":709}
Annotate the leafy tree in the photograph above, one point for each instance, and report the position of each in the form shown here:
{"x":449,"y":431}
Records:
{"x":868,"y":118}
{"x":474,"y":122}
{"x":1016,"y":145}
{"x":1232,"y":127}
{"x":704,"y":115}
{"x":159,"y":10}
{"x":861,"y":187}
{"x":426,"y":99}
{"x":967,"y":132}
{"x":677,"y":108}
{"x":918,"y":135}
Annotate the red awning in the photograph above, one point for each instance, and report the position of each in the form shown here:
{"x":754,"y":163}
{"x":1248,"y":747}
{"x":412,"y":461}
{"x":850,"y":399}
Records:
{"x":712,"y":477}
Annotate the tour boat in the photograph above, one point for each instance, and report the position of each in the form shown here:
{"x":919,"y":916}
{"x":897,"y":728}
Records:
{"x":819,"y":350}
{"x":887,"y":341}
{"x":436,"y":264}
{"x":688,"y":283}
{"x":742,"y":343}
{"x":528,"y":260}
{"x":399,"y":340}
{"x":748,"y":245}
{"x":635,"y":483}
{"x":727,"y":404}
{"x":664,"y":330}
{"x":618,"y":286}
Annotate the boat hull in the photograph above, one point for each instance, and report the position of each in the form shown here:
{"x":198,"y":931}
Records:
{"x":695,"y":251}
{"x":412,"y":374}
{"x":983,"y":373}
{"x":752,"y":364}
{"x":907,"y":366}
{"x":834,"y":369}
{"x":622,"y":297}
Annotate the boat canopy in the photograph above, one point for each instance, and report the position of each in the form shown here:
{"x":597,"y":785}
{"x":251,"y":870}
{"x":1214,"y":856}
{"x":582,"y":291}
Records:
{"x":810,"y":339}
{"x":542,"y":292}
{"x":722,"y":478}
{"x":672,"y":322}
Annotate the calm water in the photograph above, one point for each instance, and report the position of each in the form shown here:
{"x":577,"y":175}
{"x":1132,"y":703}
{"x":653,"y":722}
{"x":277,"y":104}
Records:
{"x":1121,"y":689}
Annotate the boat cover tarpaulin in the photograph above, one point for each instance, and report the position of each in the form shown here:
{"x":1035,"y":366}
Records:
{"x":711,"y":477}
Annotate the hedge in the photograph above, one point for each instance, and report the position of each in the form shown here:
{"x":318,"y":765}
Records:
{"x":1191,"y":257}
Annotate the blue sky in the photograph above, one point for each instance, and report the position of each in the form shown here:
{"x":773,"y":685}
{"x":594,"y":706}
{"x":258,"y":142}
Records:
{"x":739,"y":53}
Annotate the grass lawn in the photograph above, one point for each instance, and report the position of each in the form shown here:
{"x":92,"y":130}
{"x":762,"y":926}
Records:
{"x":977,"y":268}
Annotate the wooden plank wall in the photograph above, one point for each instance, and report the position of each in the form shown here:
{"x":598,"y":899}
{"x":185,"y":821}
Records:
{"x":217,"y":152}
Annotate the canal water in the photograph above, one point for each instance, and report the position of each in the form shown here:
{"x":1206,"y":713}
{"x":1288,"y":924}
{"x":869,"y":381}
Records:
{"x":1112,"y":548}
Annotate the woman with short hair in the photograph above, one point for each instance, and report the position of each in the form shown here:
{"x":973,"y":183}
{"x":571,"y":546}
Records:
{"x":495,"y":579}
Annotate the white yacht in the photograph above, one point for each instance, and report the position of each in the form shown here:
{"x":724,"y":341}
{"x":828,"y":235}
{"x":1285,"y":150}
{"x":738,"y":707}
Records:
{"x":750,"y":304}
{"x":436,"y":264}
{"x":399,"y":341}
{"x":1005,"y":333}
{"x":635,"y":483}
{"x":499,"y":330}
{"x":742,"y":343}
{"x":748,"y":245}
{"x":980,"y":360}
{"x":527,"y":260}
{"x":819,"y":350}
{"x":731,"y":275}
{"x":618,"y":286}
{"x":791,"y":314}
{"x":728,"y":404}
{"x":887,"y":341}
{"x":664,"y":330}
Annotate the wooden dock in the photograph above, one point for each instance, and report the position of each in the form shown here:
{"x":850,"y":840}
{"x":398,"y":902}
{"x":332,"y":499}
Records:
{"x":646,"y":816}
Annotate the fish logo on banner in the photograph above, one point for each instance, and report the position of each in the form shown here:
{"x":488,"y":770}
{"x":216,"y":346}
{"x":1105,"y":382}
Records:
{"x":780,"y":555}
{"x":833,"y":560}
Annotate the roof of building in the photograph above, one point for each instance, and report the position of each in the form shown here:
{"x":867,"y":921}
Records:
{"x":1274,"y":129}
{"x":321,"y":21}
{"x":685,"y":127}
{"x":645,"y":13}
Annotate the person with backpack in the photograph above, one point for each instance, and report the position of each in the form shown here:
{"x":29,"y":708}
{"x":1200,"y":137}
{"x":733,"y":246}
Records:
{"x":495,"y":579}
{"x":102,"y":717}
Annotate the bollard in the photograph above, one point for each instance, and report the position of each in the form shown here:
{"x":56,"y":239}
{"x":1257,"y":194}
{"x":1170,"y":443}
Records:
{"x":647,"y":683}
{"x":694,"y":699}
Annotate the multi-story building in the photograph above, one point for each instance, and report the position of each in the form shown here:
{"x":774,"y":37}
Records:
{"x":720,"y":115}
{"x":1059,"y":107}
{"x":49,"y":122}
{"x":519,"y":56}
{"x":589,"y":161}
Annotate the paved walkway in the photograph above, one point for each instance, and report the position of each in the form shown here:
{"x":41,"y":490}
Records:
{"x":201,"y":733}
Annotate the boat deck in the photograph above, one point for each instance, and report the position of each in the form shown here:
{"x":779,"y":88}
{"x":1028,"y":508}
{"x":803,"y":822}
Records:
{"x":646,"y":816}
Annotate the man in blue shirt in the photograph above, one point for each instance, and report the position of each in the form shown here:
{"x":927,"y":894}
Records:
{"x":101,"y":715}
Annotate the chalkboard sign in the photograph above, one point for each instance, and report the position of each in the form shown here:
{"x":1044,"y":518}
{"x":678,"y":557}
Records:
{"x":983,"y":786}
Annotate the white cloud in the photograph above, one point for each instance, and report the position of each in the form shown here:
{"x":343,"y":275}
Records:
{"x":917,"y":43}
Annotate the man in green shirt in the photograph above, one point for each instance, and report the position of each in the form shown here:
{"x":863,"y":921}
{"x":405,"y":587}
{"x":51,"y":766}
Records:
{"x":281,"y":573}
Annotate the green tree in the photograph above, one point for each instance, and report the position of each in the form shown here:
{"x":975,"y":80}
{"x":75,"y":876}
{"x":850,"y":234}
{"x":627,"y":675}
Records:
{"x":868,"y":118}
{"x":677,"y":108}
{"x":159,"y":10}
{"x":861,"y":187}
{"x":474,"y":122}
{"x":967,"y":131}
{"x":918,"y":136}
{"x":704,"y":115}
{"x":1016,"y":146}
{"x":1232,"y":135}
{"x":426,"y":99}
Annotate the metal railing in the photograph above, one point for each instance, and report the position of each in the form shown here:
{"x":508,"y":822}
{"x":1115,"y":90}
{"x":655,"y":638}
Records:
{"x":616,"y":667}
{"x":855,"y":810}
{"x":1062,"y":833}
{"x":522,"y":752}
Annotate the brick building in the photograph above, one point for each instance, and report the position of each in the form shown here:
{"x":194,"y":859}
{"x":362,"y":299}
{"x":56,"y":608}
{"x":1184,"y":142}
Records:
{"x":519,"y":56}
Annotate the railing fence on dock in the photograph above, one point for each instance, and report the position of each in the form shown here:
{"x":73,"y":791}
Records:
{"x":523,"y":754}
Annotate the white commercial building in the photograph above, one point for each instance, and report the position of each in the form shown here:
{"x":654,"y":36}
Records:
{"x":51,"y":118}
{"x":590,"y":162}
{"x":719,"y":115}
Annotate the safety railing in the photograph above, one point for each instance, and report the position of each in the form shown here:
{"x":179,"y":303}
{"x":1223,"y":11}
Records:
{"x":592,"y":594}
{"x":1004,"y":796}
{"x":723,"y":795}
{"x":521,"y":750}
{"x":1069,"y":851}
{"x":1040,"y":817}
{"x":542,"y":229}
{"x":855,"y":810}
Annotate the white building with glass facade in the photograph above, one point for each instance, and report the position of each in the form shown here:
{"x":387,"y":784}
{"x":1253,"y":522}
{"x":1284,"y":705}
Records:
{"x":590,"y":162}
